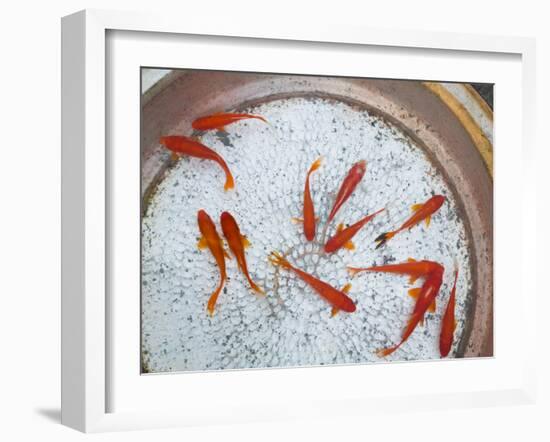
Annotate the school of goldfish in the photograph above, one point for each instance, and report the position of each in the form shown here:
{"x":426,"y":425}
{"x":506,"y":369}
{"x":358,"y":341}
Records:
{"x":429,"y":272}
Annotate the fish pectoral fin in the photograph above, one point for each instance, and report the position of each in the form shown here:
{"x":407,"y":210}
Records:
{"x":416,"y":207}
{"x":334,"y":312}
{"x":222,"y":129}
{"x":297,"y":220}
{"x":413,"y":279}
{"x":454,"y":325}
{"x":413,"y":293}
{"x":349,"y":245}
{"x":174,"y":156}
{"x":422,"y":321}
{"x":428,"y":219}
{"x":347,"y":287}
{"x":432,"y":306}
{"x":202,"y":244}
{"x":340,"y":227}
{"x":245,"y":242}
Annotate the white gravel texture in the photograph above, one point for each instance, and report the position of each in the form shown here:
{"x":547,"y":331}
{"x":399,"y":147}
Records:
{"x":292,"y":326}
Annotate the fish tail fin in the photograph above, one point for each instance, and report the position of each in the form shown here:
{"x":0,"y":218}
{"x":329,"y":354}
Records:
{"x":383,"y":238}
{"x":255,"y":286}
{"x":354,"y":270}
{"x":229,"y":181}
{"x":214,"y":297}
{"x":383,"y":352}
{"x":277,"y":259}
{"x":316,"y":164}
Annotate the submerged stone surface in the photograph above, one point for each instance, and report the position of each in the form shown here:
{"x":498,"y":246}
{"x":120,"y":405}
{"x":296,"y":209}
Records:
{"x":292,"y":325}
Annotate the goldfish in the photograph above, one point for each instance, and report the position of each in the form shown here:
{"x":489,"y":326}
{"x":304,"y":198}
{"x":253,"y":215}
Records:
{"x":425,"y":300}
{"x":237,"y":243}
{"x":343,"y":236}
{"x":338,"y":299}
{"x":220,"y":120}
{"x":309,"y":219}
{"x":448,"y":323}
{"x":412,"y":268}
{"x":422,"y":212}
{"x":354,"y":176}
{"x":186,"y":146}
{"x":211,"y":240}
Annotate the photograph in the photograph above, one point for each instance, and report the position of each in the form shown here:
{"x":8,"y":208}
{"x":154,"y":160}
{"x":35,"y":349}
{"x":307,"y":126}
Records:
{"x":306,"y":220}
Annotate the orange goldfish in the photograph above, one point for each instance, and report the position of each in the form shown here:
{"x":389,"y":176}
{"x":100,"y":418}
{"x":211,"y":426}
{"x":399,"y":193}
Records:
{"x":237,"y":243}
{"x":211,"y":240}
{"x":354,"y":176}
{"x":338,"y":299}
{"x":448,"y":323}
{"x":220,"y":120}
{"x":182,"y":145}
{"x":309,"y":211}
{"x":422,"y":212}
{"x":344,"y":235}
{"x":425,"y":300}
{"x":412,"y":268}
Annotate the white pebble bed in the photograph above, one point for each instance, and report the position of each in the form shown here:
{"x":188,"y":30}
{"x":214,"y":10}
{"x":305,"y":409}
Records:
{"x":292,"y":326}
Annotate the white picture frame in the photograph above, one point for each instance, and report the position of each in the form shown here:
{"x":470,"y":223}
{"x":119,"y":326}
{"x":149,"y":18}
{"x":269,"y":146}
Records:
{"x":86,"y":315}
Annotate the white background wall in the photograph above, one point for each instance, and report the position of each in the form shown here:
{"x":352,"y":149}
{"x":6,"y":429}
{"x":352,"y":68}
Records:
{"x":30,"y":220}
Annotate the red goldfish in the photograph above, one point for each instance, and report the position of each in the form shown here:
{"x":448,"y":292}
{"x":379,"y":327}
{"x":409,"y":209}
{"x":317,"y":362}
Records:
{"x":354,"y":176}
{"x":336,"y":298}
{"x":422,"y":212}
{"x":237,"y":243}
{"x":220,"y":120}
{"x":186,"y":146}
{"x":425,"y":299}
{"x":309,"y":211}
{"x":412,"y":268}
{"x":448,"y":323}
{"x":211,"y":240}
{"x":344,"y":235}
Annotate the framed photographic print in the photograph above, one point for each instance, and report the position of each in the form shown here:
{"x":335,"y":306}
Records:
{"x":249,"y":209}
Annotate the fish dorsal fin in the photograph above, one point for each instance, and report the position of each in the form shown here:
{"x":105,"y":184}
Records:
{"x":422,"y":321}
{"x":202,"y":244}
{"x":432,"y":306}
{"x":340,"y":227}
{"x":347,"y":287}
{"x":428,"y":219}
{"x":454,"y":325}
{"x":349,"y":245}
{"x":222,"y":129}
{"x":413,"y":293}
{"x":245,"y":242}
{"x":416,"y":207}
{"x":297,"y":220}
{"x":411,"y":260}
{"x":413,"y":279}
{"x":334,"y":312}
{"x":174,"y":156}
